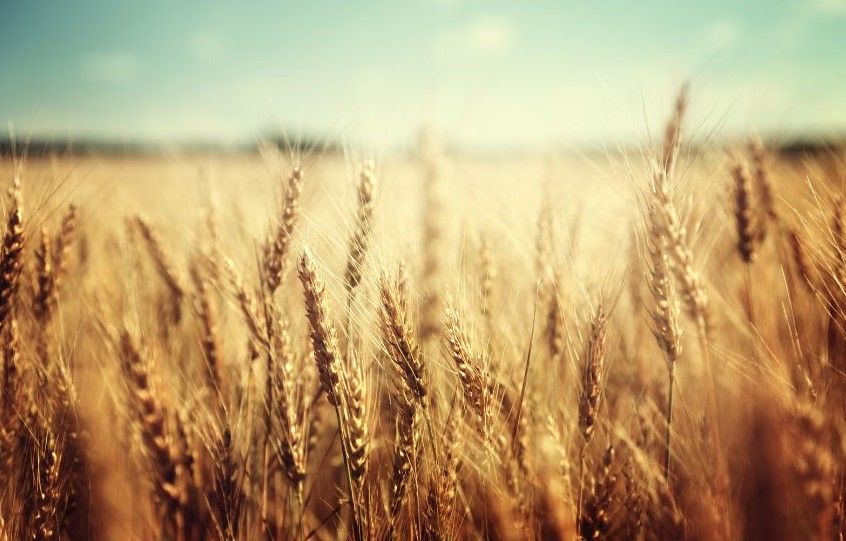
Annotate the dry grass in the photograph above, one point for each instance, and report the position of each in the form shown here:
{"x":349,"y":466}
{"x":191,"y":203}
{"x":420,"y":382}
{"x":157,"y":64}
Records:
{"x":629,"y":348}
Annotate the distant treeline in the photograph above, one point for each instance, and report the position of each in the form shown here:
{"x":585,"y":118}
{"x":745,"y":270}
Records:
{"x":302,"y":145}
{"x":40,"y":147}
{"x":811,"y":148}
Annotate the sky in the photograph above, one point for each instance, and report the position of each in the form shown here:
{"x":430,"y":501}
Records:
{"x":486,"y":73}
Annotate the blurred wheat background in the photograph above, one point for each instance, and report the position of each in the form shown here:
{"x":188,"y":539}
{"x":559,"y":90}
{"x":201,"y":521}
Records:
{"x":496,"y":329}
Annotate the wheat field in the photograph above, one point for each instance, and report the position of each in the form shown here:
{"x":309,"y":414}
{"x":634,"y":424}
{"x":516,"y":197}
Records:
{"x":644,"y":344}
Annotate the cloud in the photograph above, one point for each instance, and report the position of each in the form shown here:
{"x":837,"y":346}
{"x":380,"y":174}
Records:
{"x":484,"y":37}
{"x":205,"y":46}
{"x":112,"y":67}
{"x":488,"y":36}
{"x":721,"y":35}
{"x":830,"y":7}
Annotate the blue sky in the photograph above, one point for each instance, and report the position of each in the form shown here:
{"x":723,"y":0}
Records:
{"x":488,"y":73}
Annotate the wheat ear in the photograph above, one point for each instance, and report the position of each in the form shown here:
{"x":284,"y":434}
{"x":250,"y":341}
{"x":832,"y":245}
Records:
{"x":10,"y":258}
{"x":362,"y":231}
{"x":591,"y":388}
{"x":277,"y":249}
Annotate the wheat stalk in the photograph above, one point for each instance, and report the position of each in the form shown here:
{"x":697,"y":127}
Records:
{"x":277,"y":249}
{"x":744,"y":213}
{"x":672,"y":132}
{"x":44,"y":509}
{"x":591,"y":389}
{"x":164,"y":267}
{"x":151,"y":416}
{"x":345,"y":394}
{"x":399,"y":338}
{"x":357,"y":431}
{"x":324,"y":339}
{"x":431,"y":301}
{"x":45,"y":300}
{"x":595,"y":521}
{"x":10,"y":257}
{"x":62,"y":243}
{"x":465,"y":358}
{"x":362,"y":232}
{"x":209,"y":336}
{"x":246,"y":304}
{"x":663,"y":313}
{"x":405,"y":449}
